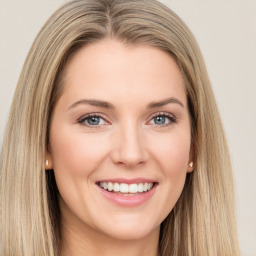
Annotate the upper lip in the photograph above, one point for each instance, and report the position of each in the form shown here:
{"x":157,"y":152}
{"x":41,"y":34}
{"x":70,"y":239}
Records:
{"x":128,"y":181}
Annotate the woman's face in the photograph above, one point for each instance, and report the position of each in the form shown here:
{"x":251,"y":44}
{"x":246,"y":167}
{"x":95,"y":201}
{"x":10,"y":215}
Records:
{"x":120,"y":140}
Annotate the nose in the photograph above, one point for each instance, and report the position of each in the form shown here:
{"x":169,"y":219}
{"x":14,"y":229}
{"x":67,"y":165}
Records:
{"x":129,"y":148}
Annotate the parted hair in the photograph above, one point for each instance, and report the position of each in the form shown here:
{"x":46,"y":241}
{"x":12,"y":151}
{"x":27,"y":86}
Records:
{"x":202,"y":222}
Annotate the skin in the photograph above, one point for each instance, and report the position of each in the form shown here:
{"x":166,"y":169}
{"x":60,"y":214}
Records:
{"x":127,"y":143}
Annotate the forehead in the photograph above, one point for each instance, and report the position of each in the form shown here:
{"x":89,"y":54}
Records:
{"x":110,"y":69}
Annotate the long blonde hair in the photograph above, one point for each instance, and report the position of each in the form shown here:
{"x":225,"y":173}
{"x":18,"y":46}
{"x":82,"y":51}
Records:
{"x":203,"y":220}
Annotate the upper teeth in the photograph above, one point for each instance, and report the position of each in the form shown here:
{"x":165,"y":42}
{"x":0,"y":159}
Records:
{"x":126,"y":188}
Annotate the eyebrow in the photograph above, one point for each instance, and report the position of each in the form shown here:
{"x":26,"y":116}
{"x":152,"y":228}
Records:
{"x":164,"y":102}
{"x":92,"y":102}
{"x":107,"y":105}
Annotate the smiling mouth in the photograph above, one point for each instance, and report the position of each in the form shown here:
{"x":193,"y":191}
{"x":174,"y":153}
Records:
{"x":127,"y":189}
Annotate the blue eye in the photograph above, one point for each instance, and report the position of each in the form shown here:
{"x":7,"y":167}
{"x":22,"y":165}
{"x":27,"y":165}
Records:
{"x":162,"y":119}
{"x":92,"y":120}
{"x":95,"y":121}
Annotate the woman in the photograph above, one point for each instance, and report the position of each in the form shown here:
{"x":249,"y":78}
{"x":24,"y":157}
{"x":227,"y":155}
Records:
{"x":114,"y":143}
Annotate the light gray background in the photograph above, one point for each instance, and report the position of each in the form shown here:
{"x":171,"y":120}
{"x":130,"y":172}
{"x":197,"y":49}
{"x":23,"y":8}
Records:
{"x":226,"y":33}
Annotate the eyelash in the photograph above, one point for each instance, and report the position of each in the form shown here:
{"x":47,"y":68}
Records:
{"x":172,"y":119}
{"x":85,"y":118}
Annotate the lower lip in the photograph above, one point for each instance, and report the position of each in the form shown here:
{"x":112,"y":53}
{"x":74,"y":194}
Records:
{"x":128,"y":200}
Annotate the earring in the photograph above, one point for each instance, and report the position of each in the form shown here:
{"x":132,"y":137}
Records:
{"x":191,"y":164}
{"x":46,"y":163}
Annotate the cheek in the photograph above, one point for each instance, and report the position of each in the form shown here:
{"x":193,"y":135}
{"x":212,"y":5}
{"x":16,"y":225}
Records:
{"x":172,"y":156}
{"x":74,"y":153}
{"x":172,"y":153}
{"x":76,"y":156}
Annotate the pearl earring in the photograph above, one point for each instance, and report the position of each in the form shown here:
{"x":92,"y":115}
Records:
{"x":46,"y":162}
{"x":190,"y":164}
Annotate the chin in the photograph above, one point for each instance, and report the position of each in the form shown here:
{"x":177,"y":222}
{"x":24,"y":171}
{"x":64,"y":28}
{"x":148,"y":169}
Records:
{"x":130,"y":229}
{"x":131,"y":233}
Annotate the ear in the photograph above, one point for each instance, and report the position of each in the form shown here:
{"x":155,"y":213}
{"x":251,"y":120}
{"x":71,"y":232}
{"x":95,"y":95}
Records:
{"x":190,"y":167}
{"x":191,"y":163}
{"x":48,"y":161}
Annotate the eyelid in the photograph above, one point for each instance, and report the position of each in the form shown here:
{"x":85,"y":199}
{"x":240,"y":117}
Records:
{"x":162,"y":114}
{"x":80,"y":120}
{"x":172,"y":118}
{"x":101,"y":115}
